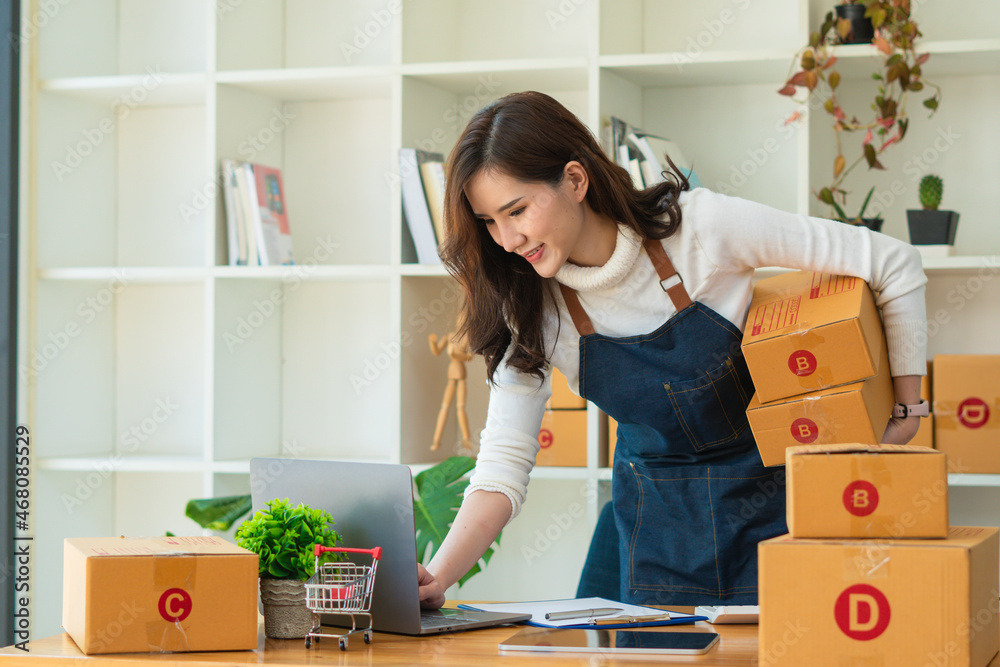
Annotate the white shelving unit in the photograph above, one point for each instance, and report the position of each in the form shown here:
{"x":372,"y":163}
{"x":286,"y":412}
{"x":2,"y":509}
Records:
{"x":152,"y":372}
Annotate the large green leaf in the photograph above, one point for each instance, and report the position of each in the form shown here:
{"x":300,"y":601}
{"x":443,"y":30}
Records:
{"x":218,"y":513}
{"x":439,"y":495}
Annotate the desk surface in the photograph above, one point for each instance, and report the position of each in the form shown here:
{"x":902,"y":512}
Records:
{"x":737,"y":646}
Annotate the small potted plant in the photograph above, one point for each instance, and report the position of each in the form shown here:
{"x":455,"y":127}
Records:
{"x":874,"y":224}
{"x":854,"y":25}
{"x":930,"y":226}
{"x":283,"y":538}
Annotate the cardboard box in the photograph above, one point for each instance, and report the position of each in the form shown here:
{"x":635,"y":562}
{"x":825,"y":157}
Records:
{"x":855,"y":412}
{"x":149,"y":595}
{"x":925,"y":434}
{"x":563,"y":438}
{"x":880,"y":602}
{"x":866,"y":491}
{"x":562,"y":398}
{"x":808,"y":331}
{"x":967,"y":411}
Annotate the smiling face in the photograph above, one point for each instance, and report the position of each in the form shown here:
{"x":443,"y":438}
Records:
{"x":540,"y":223}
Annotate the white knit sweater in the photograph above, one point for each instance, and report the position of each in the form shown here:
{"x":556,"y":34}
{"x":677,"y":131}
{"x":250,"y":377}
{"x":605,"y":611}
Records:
{"x":721,"y":240}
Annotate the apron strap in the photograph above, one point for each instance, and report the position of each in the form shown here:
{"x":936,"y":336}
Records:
{"x":576,"y":311}
{"x":668,"y":275}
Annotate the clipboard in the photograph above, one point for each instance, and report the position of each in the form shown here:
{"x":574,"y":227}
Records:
{"x":630,"y":616}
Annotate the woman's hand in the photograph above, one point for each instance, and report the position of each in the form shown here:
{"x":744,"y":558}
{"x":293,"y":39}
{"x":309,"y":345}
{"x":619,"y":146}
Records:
{"x":431,"y":593}
{"x":900,"y":430}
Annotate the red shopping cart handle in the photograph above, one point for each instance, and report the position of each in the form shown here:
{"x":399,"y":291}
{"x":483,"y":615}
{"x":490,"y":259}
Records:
{"x":375,"y":553}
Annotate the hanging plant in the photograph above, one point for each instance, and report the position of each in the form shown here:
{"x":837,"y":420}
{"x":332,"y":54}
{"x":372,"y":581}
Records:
{"x":898,"y":75}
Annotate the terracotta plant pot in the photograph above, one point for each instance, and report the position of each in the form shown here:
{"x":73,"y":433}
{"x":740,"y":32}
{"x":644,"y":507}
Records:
{"x":862,"y":31}
{"x":932,"y":227}
{"x":285,"y":613}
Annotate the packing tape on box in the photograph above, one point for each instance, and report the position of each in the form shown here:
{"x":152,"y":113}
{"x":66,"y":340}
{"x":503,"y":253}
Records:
{"x":174,"y":576}
{"x":971,"y":413}
{"x":812,"y":408}
{"x":869,"y":560}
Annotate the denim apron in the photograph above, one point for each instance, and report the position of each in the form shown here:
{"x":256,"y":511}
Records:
{"x":691,"y":497}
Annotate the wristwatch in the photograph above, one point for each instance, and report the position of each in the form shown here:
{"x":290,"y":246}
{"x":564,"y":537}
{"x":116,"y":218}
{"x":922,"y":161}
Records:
{"x":921,"y":409}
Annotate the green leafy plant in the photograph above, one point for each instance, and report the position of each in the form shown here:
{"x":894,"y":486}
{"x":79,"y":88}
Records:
{"x":439,"y":494}
{"x":861,"y":214}
{"x":283,"y":537}
{"x":218,"y":513}
{"x":931,"y":189}
{"x":898,"y":75}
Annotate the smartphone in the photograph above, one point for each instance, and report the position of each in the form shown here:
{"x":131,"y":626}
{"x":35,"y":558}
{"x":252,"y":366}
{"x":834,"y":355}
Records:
{"x":611,"y":641}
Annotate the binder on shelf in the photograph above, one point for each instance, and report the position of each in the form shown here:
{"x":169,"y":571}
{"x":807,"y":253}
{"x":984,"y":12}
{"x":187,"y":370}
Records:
{"x":416,"y":210}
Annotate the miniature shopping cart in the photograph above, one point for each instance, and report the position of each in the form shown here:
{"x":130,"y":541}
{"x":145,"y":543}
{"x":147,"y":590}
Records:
{"x":341,"y":588}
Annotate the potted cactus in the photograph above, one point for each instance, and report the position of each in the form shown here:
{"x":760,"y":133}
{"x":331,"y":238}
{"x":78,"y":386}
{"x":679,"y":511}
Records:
{"x":930,"y":226}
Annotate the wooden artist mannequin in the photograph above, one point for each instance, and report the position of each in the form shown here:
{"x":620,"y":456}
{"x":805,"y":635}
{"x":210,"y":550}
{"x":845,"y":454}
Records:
{"x":458,"y":351}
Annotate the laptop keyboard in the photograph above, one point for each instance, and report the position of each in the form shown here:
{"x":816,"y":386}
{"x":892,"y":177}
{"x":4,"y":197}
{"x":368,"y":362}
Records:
{"x":436,"y":621}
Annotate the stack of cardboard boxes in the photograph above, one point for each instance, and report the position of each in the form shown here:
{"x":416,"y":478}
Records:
{"x":816,"y":351}
{"x":870,"y":573}
{"x":563,"y":435}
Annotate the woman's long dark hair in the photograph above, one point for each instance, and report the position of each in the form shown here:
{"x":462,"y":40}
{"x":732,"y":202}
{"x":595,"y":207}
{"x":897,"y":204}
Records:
{"x":530,"y":137}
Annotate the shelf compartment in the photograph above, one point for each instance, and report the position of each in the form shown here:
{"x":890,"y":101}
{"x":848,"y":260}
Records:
{"x":113,"y":182}
{"x":697,"y":30}
{"x":956,"y":20}
{"x":261,"y":34}
{"x":323,"y":148}
{"x":152,"y":503}
{"x":759,"y":158}
{"x":430,"y":305}
{"x":140,"y":347}
{"x":106,"y":37}
{"x":284,"y":384}
{"x":463,"y":30}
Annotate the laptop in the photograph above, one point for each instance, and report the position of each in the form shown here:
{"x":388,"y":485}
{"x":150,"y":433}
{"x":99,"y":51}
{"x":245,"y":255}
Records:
{"x":372,"y":506}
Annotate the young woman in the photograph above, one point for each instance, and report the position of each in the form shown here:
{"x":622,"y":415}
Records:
{"x":639,"y":298}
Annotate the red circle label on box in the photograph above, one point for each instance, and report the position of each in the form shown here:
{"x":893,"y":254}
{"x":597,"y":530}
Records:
{"x":545,"y":438}
{"x":973,"y":412}
{"x":862,"y":612}
{"x":860,"y":497}
{"x":175,"y":605}
{"x":802,"y":363}
{"x":804,"y":430}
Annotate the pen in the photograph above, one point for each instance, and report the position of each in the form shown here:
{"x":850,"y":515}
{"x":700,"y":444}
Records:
{"x":580,"y":613}
{"x":633,"y":619}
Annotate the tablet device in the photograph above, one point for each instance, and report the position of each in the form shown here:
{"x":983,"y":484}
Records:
{"x":611,"y":641}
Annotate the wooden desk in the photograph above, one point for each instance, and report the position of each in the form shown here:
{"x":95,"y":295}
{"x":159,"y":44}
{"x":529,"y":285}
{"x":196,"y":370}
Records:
{"x":737,"y":646}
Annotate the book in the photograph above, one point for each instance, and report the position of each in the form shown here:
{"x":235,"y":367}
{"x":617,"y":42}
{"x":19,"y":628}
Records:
{"x":274,"y":240}
{"x":642,"y":154}
{"x":432,"y":175}
{"x":415,"y":207}
{"x":235,"y":223}
{"x":246,"y":194}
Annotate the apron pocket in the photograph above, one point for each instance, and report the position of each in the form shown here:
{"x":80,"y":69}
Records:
{"x":711,"y":409}
{"x":692,"y":531}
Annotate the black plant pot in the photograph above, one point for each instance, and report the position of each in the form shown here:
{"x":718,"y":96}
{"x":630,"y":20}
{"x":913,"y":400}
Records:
{"x":874,"y":224}
{"x":932,"y":227}
{"x":862,"y":31}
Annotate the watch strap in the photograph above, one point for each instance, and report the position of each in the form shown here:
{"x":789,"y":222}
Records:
{"x":921,"y":409}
